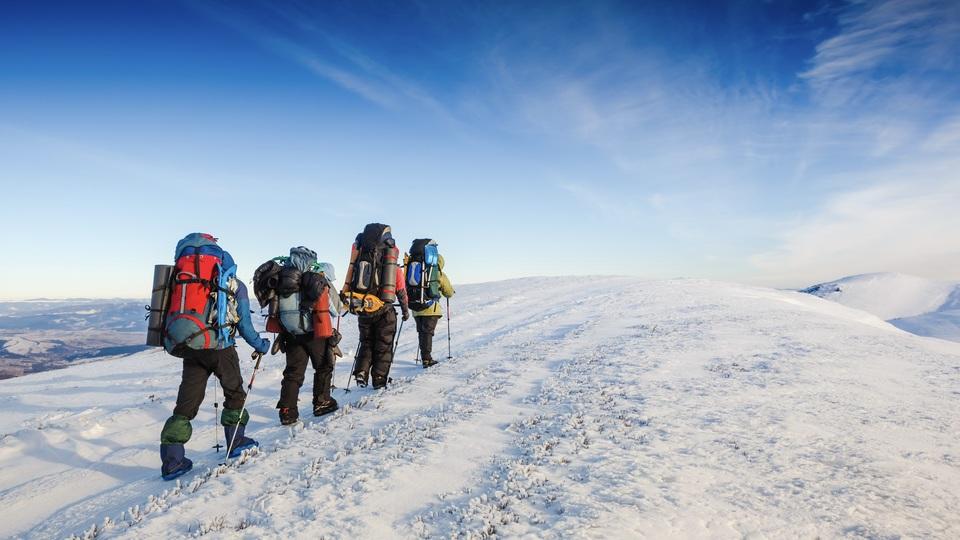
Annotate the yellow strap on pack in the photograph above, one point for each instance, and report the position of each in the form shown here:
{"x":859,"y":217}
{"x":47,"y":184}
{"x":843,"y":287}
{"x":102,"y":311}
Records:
{"x":363,"y":303}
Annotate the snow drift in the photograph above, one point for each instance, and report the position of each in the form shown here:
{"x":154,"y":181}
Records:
{"x":602,"y":408}
{"x":918,"y":305}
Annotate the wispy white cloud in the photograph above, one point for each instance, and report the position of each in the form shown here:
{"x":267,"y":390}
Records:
{"x":346,"y":79}
{"x":605,"y":205}
{"x":884,"y":92}
{"x":86,"y":156}
{"x":654,"y":127}
{"x":405,"y":86}
{"x":873,"y":92}
{"x":878,"y":43}
{"x":872,"y":33}
{"x":297,"y":33}
{"x":905,"y":221}
{"x":945,"y":137}
{"x":659,"y":113}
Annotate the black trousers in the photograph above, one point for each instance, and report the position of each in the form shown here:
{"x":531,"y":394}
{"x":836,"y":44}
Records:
{"x":298,"y":350}
{"x":376,"y":344}
{"x":197,"y":367}
{"x":426,"y":326}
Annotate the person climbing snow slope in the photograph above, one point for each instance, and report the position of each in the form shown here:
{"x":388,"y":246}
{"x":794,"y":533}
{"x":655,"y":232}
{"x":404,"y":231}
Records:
{"x":208,"y":307}
{"x":303,"y":302}
{"x":426,"y":283}
{"x":373,"y":282}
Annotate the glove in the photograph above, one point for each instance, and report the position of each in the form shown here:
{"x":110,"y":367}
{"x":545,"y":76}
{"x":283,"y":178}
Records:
{"x":406,"y":314}
{"x":279,"y":344}
{"x":263,"y":346}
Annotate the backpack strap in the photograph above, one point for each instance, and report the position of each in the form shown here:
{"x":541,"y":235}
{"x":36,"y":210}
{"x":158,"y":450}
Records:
{"x":223,"y":299}
{"x":201,"y":332}
{"x":356,"y":260}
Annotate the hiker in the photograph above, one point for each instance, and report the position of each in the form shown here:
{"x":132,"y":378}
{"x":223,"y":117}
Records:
{"x":208,"y":307}
{"x":373,"y":283}
{"x":303,"y":301}
{"x":426,"y":283}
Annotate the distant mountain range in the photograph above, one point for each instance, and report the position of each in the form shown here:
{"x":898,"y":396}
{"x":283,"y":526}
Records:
{"x":119,"y":315}
{"x":37,"y":335}
{"x":921,"y":306}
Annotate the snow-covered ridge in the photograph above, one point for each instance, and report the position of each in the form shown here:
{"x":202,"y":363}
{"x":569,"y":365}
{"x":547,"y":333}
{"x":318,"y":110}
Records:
{"x":80,"y":314}
{"x":617,"y":408}
{"x":918,"y":305}
{"x":37,"y":335}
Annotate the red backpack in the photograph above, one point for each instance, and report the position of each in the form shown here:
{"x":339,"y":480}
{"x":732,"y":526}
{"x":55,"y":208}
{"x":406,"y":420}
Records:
{"x":191,"y":321}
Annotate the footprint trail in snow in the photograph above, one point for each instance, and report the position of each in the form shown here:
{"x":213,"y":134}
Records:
{"x":608,"y":407}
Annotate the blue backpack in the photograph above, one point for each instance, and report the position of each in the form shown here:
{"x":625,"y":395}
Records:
{"x":423,"y":274}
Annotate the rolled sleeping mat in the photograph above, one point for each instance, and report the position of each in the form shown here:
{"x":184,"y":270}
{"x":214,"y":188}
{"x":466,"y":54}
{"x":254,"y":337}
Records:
{"x":159,"y":304}
{"x":388,"y":277}
{"x":348,"y":281}
{"x":322,"y":321}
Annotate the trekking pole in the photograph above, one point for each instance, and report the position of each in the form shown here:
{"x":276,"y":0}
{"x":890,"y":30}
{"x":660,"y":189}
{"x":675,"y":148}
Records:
{"x":417,"y":359}
{"x":397,"y":342}
{"x":449,"y":349}
{"x":258,"y":356}
{"x":332,"y":384}
{"x":353,"y":369}
{"x":216,"y":412}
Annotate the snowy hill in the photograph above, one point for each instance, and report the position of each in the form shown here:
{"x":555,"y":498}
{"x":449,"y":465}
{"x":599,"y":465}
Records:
{"x":608,"y":408}
{"x":920,"y":306}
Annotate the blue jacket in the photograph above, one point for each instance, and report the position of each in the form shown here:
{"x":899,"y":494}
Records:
{"x":245,"y":326}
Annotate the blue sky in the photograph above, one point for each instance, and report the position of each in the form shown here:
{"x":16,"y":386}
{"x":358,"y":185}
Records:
{"x":778,"y":143}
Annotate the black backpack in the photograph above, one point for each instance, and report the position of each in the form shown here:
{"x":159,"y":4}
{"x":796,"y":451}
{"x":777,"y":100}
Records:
{"x":266,"y":279}
{"x":373,"y":265}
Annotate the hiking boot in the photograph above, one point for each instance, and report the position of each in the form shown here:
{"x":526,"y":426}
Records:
{"x":427,"y":362}
{"x":289,"y":416}
{"x":182,"y":469}
{"x":381,"y":382}
{"x":174,"y":463}
{"x":240,"y":441}
{"x":361,"y":379}
{"x":325,"y":407}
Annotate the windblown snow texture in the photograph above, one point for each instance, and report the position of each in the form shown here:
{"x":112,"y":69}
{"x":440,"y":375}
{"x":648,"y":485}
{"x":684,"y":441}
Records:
{"x":925,"y":307}
{"x":602,"y":408}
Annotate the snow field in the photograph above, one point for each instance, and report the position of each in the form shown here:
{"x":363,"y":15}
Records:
{"x":599,"y":408}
